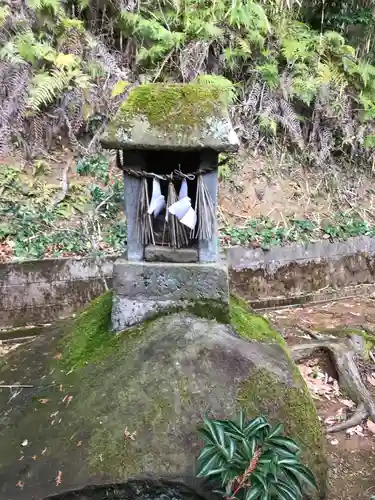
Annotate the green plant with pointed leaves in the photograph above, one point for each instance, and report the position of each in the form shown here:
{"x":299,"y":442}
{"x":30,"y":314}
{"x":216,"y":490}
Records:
{"x":252,"y":460}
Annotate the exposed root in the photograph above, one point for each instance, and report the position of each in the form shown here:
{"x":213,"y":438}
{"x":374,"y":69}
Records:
{"x":358,"y":416}
{"x":349,"y":377}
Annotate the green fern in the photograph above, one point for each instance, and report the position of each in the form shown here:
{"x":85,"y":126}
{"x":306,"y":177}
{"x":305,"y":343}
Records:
{"x":52,"y":6}
{"x":225,"y":85}
{"x":45,"y":87}
{"x":270,"y":74}
{"x":10,"y":53}
{"x":31,"y":50}
{"x":4,"y":13}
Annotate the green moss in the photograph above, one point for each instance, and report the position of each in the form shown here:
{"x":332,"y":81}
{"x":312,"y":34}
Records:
{"x":89,"y":338}
{"x":294,"y":408}
{"x":252,"y":326}
{"x":173,"y":105}
{"x":211,"y":309}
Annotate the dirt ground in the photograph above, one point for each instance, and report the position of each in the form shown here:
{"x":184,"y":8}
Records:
{"x":278,"y":188}
{"x":351,"y":453}
{"x":253,"y":186}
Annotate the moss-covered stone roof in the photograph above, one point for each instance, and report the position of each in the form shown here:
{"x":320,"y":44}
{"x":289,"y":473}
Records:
{"x":172,"y":116}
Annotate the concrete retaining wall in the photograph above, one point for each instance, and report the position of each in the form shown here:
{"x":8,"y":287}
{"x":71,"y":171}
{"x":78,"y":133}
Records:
{"x":299,"y":273}
{"x":35,"y":292}
{"x":40,"y":291}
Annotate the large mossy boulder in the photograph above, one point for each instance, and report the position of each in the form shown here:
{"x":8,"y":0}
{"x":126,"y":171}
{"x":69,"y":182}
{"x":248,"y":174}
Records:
{"x":108,"y":408}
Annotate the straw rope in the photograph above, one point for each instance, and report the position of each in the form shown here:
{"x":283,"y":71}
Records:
{"x":176,"y":174}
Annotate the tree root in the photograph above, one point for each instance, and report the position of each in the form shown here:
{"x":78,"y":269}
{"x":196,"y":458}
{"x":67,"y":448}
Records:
{"x":349,"y":377}
{"x":357,"y":418}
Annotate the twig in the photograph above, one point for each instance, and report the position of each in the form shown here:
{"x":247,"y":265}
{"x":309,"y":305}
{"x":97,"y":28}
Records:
{"x":15,"y":340}
{"x":246,"y":217}
{"x":16,"y":386}
{"x":162,"y":65}
{"x":104,"y":202}
{"x":312,"y":334}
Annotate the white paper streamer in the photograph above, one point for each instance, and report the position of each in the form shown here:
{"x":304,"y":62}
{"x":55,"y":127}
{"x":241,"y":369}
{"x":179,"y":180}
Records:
{"x":184,"y":212}
{"x":183,"y":190}
{"x":190,"y":218}
{"x":157,"y":199}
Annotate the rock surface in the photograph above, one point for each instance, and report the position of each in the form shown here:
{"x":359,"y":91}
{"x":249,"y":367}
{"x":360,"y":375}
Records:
{"x":130,"y":406}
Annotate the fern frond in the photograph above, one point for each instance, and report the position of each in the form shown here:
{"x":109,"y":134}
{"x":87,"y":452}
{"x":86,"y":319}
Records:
{"x":270,"y":74}
{"x":45,"y":87}
{"x":329,"y":74}
{"x":333,"y":39}
{"x":305,"y":88}
{"x":52,"y":6}
{"x":11,"y":54}
{"x":244,"y":45}
{"x":248,"y":15}
{"x":366,"y":72}
{"x":222,"y":83}
{"x":4,"y":13}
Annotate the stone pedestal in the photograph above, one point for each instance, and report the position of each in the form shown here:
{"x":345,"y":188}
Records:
{"x":144,"y":289}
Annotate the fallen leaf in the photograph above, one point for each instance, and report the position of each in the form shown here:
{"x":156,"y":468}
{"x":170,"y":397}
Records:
{"x":43,"y":401}
{"x":24,"y":442}
{"x":358,"y":429}
{"x":61,"y":387}
{"x":34,"y":457}
{"x":371,"y":426}
{"x":58,"y":478}
{"x":129,"y":435}
{"x":69,"y":400}
{"x":330,"y":420}
{"x":20,"y":484}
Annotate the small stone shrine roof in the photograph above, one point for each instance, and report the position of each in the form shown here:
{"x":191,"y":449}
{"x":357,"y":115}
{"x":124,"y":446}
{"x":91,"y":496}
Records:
{"x":173,"y":117}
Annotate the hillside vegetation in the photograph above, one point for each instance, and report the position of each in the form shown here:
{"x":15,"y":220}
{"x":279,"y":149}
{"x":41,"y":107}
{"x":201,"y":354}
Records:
{"x":300,"y":79}
{"x":301,"y":71}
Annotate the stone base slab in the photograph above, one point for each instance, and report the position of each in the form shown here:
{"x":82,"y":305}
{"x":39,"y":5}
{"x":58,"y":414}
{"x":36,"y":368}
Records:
{"x":155,"y":253}
{"x":143,"y":289}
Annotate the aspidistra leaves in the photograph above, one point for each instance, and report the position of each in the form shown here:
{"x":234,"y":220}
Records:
{"x":228,"y":458}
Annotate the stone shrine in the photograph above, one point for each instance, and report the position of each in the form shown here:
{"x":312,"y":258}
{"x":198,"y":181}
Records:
{"x":168,"y":139}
